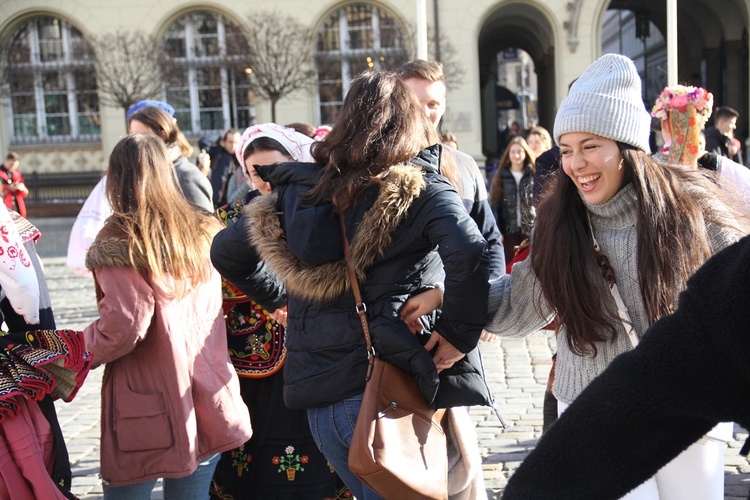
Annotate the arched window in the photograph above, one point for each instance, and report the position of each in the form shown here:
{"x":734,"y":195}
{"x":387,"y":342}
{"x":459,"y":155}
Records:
{"x":353,"y":39}
{"x":207,"y":84}
{"x":52,"y":83}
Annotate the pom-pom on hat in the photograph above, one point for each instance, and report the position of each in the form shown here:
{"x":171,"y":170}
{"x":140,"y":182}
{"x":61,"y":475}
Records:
{"x":606,"y":101}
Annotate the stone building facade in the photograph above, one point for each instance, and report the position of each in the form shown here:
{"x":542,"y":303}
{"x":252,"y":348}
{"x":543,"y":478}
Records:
{"x":54,"y":116}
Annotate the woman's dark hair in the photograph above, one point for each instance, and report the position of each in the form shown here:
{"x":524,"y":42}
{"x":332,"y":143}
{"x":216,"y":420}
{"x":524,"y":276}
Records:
{"x":264,"y":144}
{"x":381,"y":124}
{"x":675,"y":205}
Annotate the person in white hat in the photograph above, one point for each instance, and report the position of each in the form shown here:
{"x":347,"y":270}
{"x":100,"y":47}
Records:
{"x":615,"y":242}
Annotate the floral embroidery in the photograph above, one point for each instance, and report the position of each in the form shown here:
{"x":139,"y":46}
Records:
{"x":241,"y":460}
{"x":290,"y":462}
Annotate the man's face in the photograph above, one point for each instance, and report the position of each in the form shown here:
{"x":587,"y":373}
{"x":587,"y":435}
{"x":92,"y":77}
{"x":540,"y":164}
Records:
{"x":431,"y":95}
{"x":230,"y":142}
{"x":727,"y":125}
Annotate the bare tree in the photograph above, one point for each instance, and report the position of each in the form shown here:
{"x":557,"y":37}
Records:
{"x":280,"y":56}
{"x":129,"y":67}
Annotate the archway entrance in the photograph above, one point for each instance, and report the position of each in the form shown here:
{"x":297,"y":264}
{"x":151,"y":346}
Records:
{"x":516,"y":60}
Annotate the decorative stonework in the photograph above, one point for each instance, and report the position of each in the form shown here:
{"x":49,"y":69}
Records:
{"x":67,"y":159}
{"x":571,"y":25}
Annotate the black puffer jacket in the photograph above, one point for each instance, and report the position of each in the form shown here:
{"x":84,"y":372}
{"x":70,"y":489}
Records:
{"x":506,"y":209}
{"x":393,"y":233}
{"x":690,"y":372}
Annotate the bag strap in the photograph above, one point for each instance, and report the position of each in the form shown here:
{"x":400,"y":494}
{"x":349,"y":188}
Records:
{"x":609,"y":275}
{"x":360,"y":306}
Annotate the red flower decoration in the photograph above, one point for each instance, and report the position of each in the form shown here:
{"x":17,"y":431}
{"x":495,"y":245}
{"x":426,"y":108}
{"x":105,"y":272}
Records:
{"x":275,"y":460}
{"x":304,"y":459}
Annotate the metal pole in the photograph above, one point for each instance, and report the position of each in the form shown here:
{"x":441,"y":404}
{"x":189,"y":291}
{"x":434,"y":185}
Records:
{"x":671,"y":42}
{"x":437,"y":30}
{"x":422,"y":29}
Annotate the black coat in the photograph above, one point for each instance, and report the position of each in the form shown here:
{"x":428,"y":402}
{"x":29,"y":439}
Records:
{"x":393,"y":232}
{"x":718,"y":143}
{"x":690,"y":372}
{"x":507,"y":208}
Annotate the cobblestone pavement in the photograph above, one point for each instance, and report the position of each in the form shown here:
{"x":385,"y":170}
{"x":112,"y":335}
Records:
{"x":516,"y":372}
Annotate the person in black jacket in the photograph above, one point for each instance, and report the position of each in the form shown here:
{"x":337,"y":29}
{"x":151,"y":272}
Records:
{"x":427,"y":80}
{"x":720,"y":138}
{"x":378,"y":169}
{"x":690,"y":372}
{"x":511,"y":195}
{"x":223,"y":163}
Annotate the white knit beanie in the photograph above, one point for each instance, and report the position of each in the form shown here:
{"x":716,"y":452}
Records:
{"x":606,"y":101}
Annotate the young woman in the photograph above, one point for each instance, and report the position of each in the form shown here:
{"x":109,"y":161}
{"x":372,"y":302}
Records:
{"x":281,"y":459}
{"x":511,"y":195}
{"x":614,"y":244}
{"x":194,"y":184}
{"x":170,"y":398}
{"x":376,"y":169}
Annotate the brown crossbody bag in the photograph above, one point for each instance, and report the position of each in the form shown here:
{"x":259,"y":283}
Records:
{"x":398,"y":448}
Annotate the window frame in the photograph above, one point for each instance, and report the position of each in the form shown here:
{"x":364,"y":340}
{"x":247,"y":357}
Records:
{"x":374,"y":56}
{"x":230,"y":85}
{"x":63,"y":69}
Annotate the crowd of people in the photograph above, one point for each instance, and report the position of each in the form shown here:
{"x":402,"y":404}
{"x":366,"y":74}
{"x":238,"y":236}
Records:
{"x":234,"y":361}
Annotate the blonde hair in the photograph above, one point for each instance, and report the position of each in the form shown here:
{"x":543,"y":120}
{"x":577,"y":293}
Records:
{"x":165,"y":233}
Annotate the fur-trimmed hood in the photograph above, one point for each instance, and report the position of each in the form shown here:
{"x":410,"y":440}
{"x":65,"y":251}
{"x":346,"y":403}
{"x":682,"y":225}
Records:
{"x":325,"y":281}
{"x":110,"y":249}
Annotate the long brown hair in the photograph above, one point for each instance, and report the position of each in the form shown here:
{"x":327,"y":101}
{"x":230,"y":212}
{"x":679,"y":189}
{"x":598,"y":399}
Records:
{"x":164,"y":126}
{"x":165,"y":233}
{"x":675,"y":205}
{"x":381,"y":124}
{"x":497,"y":191}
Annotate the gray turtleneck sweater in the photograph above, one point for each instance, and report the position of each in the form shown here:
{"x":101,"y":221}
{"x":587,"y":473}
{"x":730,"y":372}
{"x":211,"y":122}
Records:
{"x":518,"y":308}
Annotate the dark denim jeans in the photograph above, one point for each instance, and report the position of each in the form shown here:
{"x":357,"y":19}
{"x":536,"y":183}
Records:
{"x":332,"y":428}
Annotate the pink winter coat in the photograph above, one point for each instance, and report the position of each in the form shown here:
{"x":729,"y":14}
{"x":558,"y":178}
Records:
{"x":170,"y":397}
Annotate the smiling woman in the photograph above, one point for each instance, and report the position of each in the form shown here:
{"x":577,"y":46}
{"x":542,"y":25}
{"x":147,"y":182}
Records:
{"x":614,"y":215}
{"x":594,"y":164}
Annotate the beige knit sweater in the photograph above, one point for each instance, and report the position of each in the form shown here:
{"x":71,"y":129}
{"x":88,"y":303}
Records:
{"x":517,"y":307}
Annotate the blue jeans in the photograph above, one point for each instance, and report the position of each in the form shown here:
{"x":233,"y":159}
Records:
{"x":192,"y":487}
{"x":332,"y":428}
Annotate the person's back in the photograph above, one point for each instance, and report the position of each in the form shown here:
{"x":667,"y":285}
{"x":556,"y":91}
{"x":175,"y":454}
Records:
{"x":396,"y":209}
{"x":170,"y":399}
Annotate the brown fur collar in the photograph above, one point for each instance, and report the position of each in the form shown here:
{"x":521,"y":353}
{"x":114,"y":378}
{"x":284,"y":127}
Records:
{"x":323,"y":283}
{"x":110,"y":249}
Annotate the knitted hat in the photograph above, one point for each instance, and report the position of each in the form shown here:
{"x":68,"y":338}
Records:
{"x":606,"y":101}
{"x":148,"y":102}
